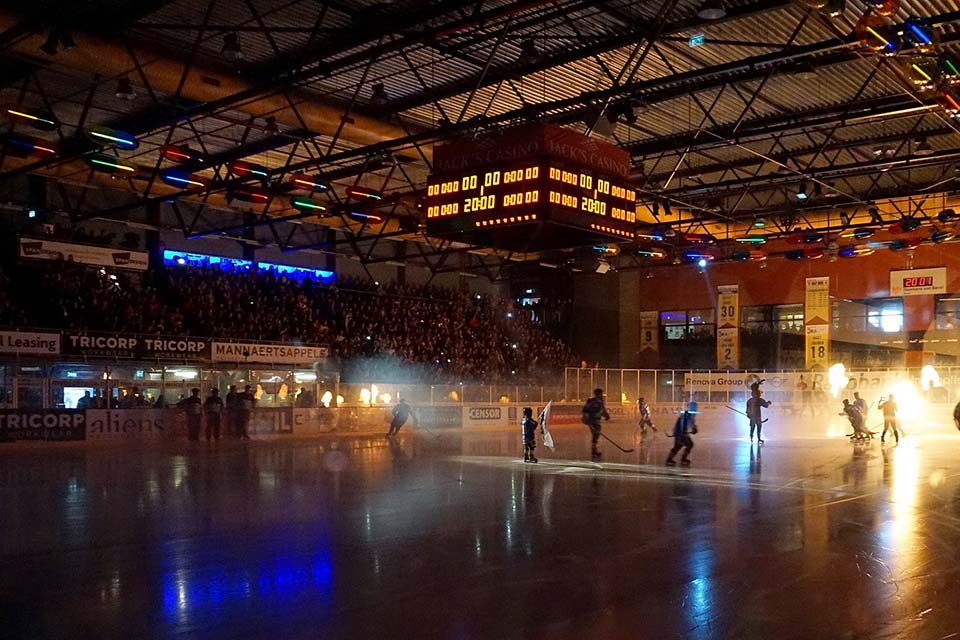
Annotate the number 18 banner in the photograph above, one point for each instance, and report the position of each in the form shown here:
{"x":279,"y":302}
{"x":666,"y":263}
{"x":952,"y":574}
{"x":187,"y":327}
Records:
{"x":728,"y":327}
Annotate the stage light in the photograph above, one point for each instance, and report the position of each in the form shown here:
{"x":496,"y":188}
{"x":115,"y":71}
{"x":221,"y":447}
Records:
{"x":306,"y":205}
{"x":906,"y":244}
{"x":759,"y":223}
{"x":25,"y":146}
{"x":181,"y":154}
{"x":854,"y":251}
{"x":748,"y":256}
{"x":362,"y":193}
{"x":923,"y":148}
{"x":947,"y":215}
{"x":108,"y":164}
{"x":921,"y":35}
{"x":657,"y":237}
{"x":802,"y":191}
{"x":31,"y":213}
{"x":949,"y":69}
{"x":529,"y":54}
{"x":666,"y":207}
{"x":904,"y":225}
{"x":112,"y":137}
{"x":309,"y":183}
{"x":835,"y":8}
{"x":874,"y":32}
{"x":885,"y":8}
{"x":711,"y":10}
{"x":942,"y":236}
{"x":602,"y":267}
{"x":181,"y":179}
{"x":653,"y":254}
{"x":924,"y":73}
{"x":378,"y":95}
{"x":37,"y":119}
{"x":702,"y":263}
{"x":366,"y":218}
{"x":860,"y":234}
{"x":244,"y":169}
{"x":124,"y":90}
{"x":875,"y":216}
{"x":231,"y":48}
{"x":248,"y":194}
{"x":752,"y":239}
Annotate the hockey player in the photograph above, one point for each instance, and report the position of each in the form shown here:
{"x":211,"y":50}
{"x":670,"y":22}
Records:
{"x":528,"y":427}
{"x":645,"y":419}
{"x":400,"y":414}
{"x":890,"y":420}
{"x":685,"y":425}
{"x":755,"y":406}
{"x":856,"y":420}
{"x":593,"y":410}
{"x":193,"y":407}
{"x":860,"y":405}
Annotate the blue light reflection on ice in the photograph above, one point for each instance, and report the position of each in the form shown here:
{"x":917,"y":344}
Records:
{"x":196,"y":590}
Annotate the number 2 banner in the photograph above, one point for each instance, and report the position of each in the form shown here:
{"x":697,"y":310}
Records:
{"x":816,"y":323}
{"x":728,"y":327}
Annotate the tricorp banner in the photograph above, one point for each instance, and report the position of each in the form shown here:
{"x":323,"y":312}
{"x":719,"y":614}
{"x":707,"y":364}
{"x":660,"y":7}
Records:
{"x":41,"y":424}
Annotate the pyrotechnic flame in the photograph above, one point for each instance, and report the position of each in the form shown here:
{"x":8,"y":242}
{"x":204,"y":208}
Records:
{"x":385,"y":398}
{"x":365,"y":395}
{"x":374,"y":394}
{"x":929,"y":377}
{"x":838,"y":379}
{"x":326,"y":398}
{"x":340,"y":400}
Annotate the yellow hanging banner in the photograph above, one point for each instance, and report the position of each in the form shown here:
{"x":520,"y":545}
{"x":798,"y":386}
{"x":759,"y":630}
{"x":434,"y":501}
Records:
{"x":649,"y":331}
{"x":816,"y":323}
{"x":728,"y":327}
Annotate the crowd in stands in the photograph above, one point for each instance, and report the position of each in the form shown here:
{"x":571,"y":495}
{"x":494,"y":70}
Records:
{"x":390,"y":332}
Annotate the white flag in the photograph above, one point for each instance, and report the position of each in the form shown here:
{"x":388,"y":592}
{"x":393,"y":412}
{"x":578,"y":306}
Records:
{"x":545,"y":426}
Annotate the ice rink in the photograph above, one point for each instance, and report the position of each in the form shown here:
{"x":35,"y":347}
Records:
{"x":450,"y":535}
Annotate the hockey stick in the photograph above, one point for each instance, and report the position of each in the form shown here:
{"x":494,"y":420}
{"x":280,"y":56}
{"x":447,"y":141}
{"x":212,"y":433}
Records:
{"x":742,"y":413}
{"x":607,"y":438}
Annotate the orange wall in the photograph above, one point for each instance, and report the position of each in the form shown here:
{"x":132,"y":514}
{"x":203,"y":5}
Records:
{"x":782,"y":281}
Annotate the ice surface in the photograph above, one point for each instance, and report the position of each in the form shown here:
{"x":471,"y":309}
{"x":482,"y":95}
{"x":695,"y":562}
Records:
{"x":452,"y":536}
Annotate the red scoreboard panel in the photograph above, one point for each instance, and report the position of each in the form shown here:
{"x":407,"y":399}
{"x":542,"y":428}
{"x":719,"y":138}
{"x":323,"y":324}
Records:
{"x":547,"y":200}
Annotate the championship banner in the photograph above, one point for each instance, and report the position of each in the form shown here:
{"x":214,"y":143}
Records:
{"x":83,"y":254}
{"x":30,"y":343}
{"x":728,"y":327}
{"x":649,"y":331}
{"x":816,"y":323}
{"x":132,"y":346}
{"x":241,"y":352}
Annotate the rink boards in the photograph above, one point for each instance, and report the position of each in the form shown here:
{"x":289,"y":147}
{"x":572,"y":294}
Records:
{"x":784,"y":420}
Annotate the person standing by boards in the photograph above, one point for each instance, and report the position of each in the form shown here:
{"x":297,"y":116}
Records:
{"x":890,"y":419}
{"x":755,"y":406}
{"x":593,"y":411}
{"x":528,"y":428}
{"x":645,"y":419}
{"x":192,"y":406}
{"x":213,"y":408}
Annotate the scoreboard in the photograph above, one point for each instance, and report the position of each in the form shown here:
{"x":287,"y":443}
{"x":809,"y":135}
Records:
{"x":529,"y":204}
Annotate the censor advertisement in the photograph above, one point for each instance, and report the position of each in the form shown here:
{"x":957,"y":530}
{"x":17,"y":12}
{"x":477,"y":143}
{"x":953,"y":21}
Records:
{"x":118,"y":345}
{"x":41,"y":424}
{"x":816,"y":323}
{"x":84,"y":254}
{"x":29,"y":343}
{"x":728,"y":327}
{"x":268,"y":353}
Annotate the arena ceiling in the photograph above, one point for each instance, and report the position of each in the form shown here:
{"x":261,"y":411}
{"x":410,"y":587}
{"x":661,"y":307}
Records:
{"x":726,"y":119}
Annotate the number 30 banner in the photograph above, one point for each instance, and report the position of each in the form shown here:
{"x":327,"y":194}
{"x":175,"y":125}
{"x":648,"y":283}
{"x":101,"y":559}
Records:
{"x":728,"y":327}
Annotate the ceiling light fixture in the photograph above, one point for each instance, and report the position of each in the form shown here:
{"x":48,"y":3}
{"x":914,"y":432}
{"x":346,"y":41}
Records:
{"x":711,"y":10}
{"x":231,"y":48}
{"x":124,"y":90}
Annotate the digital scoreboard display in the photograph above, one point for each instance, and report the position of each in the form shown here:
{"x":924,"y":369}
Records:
{"x":540,"y":202}
{"x":918,"y":282}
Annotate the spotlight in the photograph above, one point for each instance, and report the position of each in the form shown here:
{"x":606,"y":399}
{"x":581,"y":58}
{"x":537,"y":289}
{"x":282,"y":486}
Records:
{"x":759,"y":223}
{"x":947,"y":215}
{"x":835,"y":8}
{"x":529,"y":54}
{"x":875,"y":217}
{"x":844,"y":218}
{"x":666,"y":208}
{"x":711,"y":10}
{"x":378,"y":95}
{"x":923,"y":147}
{"x":802,"y":191}
{"x":602,"y":267}
{"x":702,"y":263}
{"x":231,"y":48}
{"x":124,"y":90}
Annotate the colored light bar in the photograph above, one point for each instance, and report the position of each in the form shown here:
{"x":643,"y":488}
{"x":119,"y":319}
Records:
{"x":303,"y":181}
{"x":181,"y":179}
{"x":752,"y":239}
{"x":366,"y":218}
{"x":108,"y":164}
{"x":751,"y":256}
{"x":306,"y":204}
{"x":107,"y":136}
{"x":248,"y":195}
{"x":29,"y":146}
{"x":905,"y":244}
{"x":657,"y":237}
{"x":243,"y":169}
{"x":650,"y":253}
{"x":855,"y":251}
{"x":43,"y":122}
{"x":859,"y":234}
{"x":362,"y":193}
{"x":181,"y":154}
{"x":921,"y":34}
{"x":942,"y":236}
{"x":694,"y":256}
